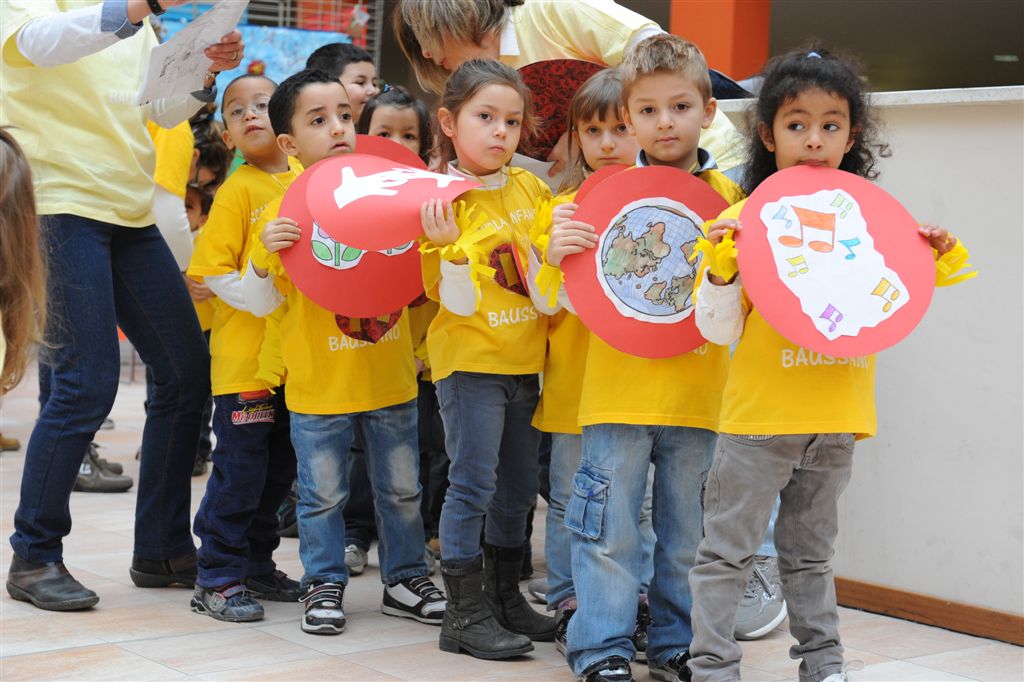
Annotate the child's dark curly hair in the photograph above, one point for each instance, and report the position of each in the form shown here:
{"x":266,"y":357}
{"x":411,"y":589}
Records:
{"x":785,"y":77}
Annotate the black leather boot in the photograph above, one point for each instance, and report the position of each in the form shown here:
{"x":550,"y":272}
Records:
{"x":468,"y":625}
{"x":501,"y":591}
{"x":48,"y":586}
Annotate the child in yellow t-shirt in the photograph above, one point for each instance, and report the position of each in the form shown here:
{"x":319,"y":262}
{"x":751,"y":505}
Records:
{"x":486,"y":348}
{"x":344,"y":375}
{"x":253,"y":462}
{"x":636,"y":412}
{"x":788,"y":427}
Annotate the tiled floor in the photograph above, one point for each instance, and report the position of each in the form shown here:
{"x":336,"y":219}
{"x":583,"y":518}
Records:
{"x":136,"y":634}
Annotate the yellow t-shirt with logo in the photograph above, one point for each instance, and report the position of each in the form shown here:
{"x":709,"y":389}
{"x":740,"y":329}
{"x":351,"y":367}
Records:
{"x":236,"y":336}
{"x":78,"y":123}
{"x":174,"y":150}
{"x":336,"y":364}
{"x":776,"y":387}
{"x":684,"y":390}
{"x":422,"y":312}
{"x":506,"y":335}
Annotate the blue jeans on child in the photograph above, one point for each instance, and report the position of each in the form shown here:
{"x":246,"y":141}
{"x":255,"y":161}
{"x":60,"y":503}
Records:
{"x":494,"y":467}
{"x":322,"y":443}
{"x":103,"y":276}
{"x":565,"y":461}
{"x":253,"y":469}
{"x":607,"y":546}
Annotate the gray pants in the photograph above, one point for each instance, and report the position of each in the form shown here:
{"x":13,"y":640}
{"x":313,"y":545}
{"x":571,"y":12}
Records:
{"x":809,"y":472}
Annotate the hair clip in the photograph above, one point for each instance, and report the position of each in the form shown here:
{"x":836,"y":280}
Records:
{"x":813,"y":55}
{"x":385,"y":88}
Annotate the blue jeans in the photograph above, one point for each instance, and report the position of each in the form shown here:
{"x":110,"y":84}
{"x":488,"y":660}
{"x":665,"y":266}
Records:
{"x":253,"y":469}
{"x":322,"y":444}
{"x":103,"y":276}
{"x":607,"y":545}
{"x":493,"y":452}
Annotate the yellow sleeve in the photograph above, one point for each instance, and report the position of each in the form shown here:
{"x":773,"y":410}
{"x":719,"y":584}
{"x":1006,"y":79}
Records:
{"x":220,"y":251}
{"x":174,"y":151}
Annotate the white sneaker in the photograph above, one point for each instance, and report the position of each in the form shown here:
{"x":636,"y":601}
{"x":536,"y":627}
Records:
{"x":417,"y":598}
{"x":356,"y":559}
{"x":323,"y":615}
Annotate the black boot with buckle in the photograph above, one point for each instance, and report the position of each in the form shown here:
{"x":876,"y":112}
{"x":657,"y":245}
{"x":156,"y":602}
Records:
{"x":468,"y":625}
{"x":507,"y":603}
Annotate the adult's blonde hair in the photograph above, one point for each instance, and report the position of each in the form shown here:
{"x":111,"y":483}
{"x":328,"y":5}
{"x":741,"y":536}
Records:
{"x":665,"y":53}
{"x":22,"y":267}
{"x":426,"y":24}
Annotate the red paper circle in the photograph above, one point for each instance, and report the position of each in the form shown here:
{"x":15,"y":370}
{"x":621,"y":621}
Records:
{"x":369,"y":220}
{"x":554,"y":83}
{"x":600,"y":208}
{"x":386,"y":148}
{"x":895,"y":236}
{"x":596,"y":178}
{"x":378,"y":285}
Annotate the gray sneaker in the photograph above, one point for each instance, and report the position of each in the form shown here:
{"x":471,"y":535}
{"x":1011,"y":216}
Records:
{"x":93,"y":478}
{"x":356,"y":559}
{"x":763,"y":607}
{"x":538,"y":589}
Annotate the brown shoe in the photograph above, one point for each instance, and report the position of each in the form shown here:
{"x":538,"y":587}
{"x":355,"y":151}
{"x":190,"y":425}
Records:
{"x":48,"y":586}
{"x":9,"y":444}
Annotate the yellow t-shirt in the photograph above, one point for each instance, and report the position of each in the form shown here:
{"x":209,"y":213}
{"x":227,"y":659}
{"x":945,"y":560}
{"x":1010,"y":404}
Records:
{"x":777,"y":387}
{"x":506,"y":335}
{"x":78,"y":123}
{"x":598,"y":31}
{"x":422,"y":312}
{"x":340,"y":365}
{"x":236,"y":335}
{"x":684,"y":390}
{"x":174,"y":149}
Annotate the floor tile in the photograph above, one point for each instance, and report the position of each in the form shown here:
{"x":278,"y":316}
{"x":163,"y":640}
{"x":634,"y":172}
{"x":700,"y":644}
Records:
{"x":106,"y":662}
{"x":995,"y":661}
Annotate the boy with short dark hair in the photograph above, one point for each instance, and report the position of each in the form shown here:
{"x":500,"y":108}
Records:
{"x":353,"y":67}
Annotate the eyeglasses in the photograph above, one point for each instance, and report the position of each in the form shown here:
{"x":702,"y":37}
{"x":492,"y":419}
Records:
{"x":237,"y":111}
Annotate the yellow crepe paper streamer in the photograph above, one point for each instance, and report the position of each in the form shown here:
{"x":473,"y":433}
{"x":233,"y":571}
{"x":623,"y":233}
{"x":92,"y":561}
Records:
{"x":950,"y":267}
{"x":719,"y":259}
{"x":549,"y":281}
{"x":540,"y":229}
{"x":471,"y":223}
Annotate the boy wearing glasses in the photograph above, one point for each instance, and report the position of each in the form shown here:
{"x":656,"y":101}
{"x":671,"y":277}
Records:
{"x":253,"y":461}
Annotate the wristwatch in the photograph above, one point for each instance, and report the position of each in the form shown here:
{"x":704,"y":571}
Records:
{"x":155,"y":8}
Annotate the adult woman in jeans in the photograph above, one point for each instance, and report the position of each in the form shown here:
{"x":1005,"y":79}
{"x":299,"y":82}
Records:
{"x":69,"y":80}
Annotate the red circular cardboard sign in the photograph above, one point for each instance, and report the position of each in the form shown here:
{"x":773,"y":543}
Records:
{"x":386,"y":148}
{"x":873,"y":278}
{"x":554,"y":83}
{"x":596,"y":178}
{"x":651,"y":215}
{"x":376,"y":285}
{"x":373,"y":203}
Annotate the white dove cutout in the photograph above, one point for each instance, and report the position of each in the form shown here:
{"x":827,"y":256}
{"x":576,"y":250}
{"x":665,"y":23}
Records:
{"x":353,"y":187}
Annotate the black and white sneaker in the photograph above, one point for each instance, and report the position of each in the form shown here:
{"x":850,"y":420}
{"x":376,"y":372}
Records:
{"x":611,"y":669}
{"x":417,"y":598}
{"x":323,"y":609}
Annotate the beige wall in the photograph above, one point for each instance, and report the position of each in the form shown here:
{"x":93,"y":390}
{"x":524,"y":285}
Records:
{"x":936,"y":504}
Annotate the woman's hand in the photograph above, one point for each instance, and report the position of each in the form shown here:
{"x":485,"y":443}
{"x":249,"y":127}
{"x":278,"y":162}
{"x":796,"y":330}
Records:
{"x":560,"y":155}
{"x":227,"y":54}
{"x":280,"y":233}
{"x":569,"y":237}
{"x":438,"y":219}
{"x":938,"y":238}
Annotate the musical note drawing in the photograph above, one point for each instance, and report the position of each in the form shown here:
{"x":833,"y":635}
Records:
{"x":815,"y":220}
{"x":882,"y":291}
{"x":833,"y":316}
{"x":842,"y":204}
{"x":849,"y":244}
{"x":799,"y":264}
{"x":781,"y":215}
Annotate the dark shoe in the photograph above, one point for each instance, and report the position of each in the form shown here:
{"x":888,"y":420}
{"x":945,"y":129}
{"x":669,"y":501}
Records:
{"x":417,"y":598}
{"x":287,"y":522}
{"x":502,"y":566}
{"x":156,"y":573}
{"x":93,"y":478}
{"x":643,"y":619}
{"x":562,"y":629}
{"x":324,"y":615}
{"x":9,"y":444}
{"x":48,"y":586}
{"x":673,"y":670}
{"x":274,"y":586}
{"x":468,"y":625}
{"x":199,"y":466}
{"x":611,"y":669}
{"x":231,"y":603}
{"x":111,"y":467}
{"x":107,"y":425}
